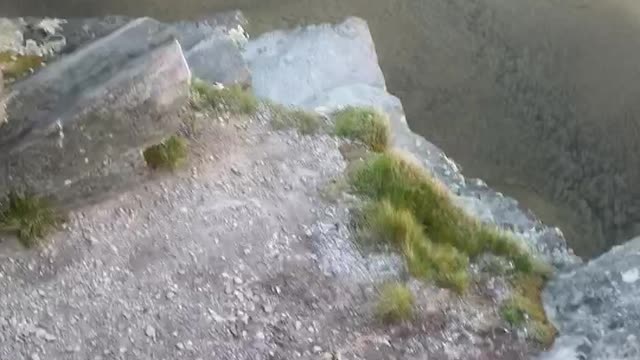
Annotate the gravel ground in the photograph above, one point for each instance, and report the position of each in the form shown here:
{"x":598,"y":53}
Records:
{"x":236,"y":256}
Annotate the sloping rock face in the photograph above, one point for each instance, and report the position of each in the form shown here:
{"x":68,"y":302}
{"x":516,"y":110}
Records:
{"x":327,"y":67}
{"x":596,"y":308}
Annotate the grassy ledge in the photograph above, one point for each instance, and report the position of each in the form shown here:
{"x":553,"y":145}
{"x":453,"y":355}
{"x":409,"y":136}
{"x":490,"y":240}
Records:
{"x":29,"y":217}
{"x":436,"y":236}
{"x":167,"y":155}
{"x":365,"y":125}
{"x":282,"y":117}
{"x":233,"y":98}
{"x":395,"y":303}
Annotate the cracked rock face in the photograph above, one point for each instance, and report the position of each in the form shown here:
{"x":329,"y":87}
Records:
{"x":596,"y":307}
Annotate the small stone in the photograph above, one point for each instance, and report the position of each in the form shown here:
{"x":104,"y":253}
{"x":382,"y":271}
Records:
{"x":35,"y":356}
{"x":180,"y":346}
{"x":327,"y":356}
{"x":267,"y":308}
{"x":235,"y":171}
{"x":317,"y":349}
{"x":170,"y":295}
{"x":43,"y":334}
{"x":237,"y":280}
{"x":92,"y":240}
{"x":298,"y":325}
{"x":150,"y":331}
{"x":260,"y":335}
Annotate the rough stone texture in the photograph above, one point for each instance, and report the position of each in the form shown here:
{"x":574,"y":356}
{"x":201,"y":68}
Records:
{"x":29,"y":36}
{"x":326,"y":67}
{"x":210,"y":45}
{"x":71,"y":125}
{"x":3,"y":115}
{"x":10,"y":35}
{"x":596,"y":308}
{"x":212,"y":48}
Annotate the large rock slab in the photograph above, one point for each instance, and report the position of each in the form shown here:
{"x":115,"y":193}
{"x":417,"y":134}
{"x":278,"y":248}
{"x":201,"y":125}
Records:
{"x":71,"y":125}
{"x":597,"y":309}
{"x":211,"y":45}
{"x":326,"y":67}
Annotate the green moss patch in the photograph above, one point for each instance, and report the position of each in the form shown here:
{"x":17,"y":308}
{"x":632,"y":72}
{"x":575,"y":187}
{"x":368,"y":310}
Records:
{"x":525,"y":310}
{"x":167,"y":155}
{"x":29,"y":217}
{"x":233,"y":98}
{"x":365,"y":125}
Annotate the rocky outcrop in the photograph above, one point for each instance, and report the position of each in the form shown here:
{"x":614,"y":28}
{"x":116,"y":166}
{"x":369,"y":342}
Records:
{"x":596,"y":308}
{"x":326,"y":67}
{"x":76,"y":127}
{"x":72,"y":126}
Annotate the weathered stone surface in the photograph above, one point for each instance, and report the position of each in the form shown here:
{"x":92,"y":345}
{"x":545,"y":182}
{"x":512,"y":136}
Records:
{"x":71,"y":125}
{"x":212,"y":48}
{"x":596,"y":308}
{"x":2,"y":100}
{"x":326,"y":67}
{"x":210,"y":45}
{"x":10,"y":35}
{"x":31,"y":36}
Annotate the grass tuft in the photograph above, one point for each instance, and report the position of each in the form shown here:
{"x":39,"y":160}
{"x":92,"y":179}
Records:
{"x":365,"y":125}
{"x":167,"y":155}
{"x":424,"y":259}
{"x":234,"y":98}
{"x":14,"y":66}
{"x":306,"y":122}
{"x":395,"y":303}
{"x":31,"y":218}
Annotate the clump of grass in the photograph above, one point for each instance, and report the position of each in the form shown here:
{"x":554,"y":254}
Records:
{"x":14,"y":66}
{"x":236,"y":99}
{"x":285,"y":118}
{"x":440,"y":262}
{"x":406,"y":185}
{"x":525,"y":309}
{"x":395,"y":303}
{"x":30,"y":217}
{"x":167,"y":155}
{"x":365,"y":125}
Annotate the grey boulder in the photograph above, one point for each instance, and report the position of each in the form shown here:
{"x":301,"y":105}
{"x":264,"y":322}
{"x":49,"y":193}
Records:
{"x":596,"y":308}
{"x":73,"y":127}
